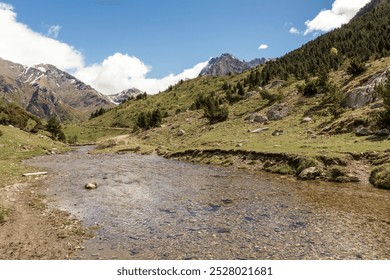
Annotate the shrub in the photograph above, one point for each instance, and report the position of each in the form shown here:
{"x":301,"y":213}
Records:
{"x":147,"y":120}
{"x":271,"y":97}
{"x":1,"y":133}
{"x":356,"y":67}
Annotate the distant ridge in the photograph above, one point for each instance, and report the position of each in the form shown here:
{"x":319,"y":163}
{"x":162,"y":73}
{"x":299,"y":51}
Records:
{"x":46,"y":91}
{"x":227,"y":64}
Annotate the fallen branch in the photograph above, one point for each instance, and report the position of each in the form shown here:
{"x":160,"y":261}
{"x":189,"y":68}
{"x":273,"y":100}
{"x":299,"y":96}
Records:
{"x":35,"y":174}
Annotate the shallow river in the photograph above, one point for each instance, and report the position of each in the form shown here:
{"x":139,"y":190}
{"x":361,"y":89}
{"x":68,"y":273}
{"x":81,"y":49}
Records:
{"x":148,"y":207}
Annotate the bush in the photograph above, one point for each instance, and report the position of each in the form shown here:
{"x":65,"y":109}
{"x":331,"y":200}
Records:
{"x":147,"y":120}
{"x":380,"y":177}
{"x":1,"y":133}
{"x":356,"y":67}
{"x":271,"y":97}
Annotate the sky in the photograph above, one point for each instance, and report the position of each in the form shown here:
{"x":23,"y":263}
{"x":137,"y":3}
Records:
{"x":115,"y":45}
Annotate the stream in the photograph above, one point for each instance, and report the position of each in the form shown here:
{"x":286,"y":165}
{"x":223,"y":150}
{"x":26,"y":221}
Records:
{"x":148,"y":207}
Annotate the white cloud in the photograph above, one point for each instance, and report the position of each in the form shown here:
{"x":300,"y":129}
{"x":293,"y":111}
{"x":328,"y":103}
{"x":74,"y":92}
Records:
{"x":342,"y":12}
{"x":116,"y":73}
{"x":263,"y":47}
{"x":121,"y":71}
{"x":293,"y":30}
{"x":23,"y":45}
{"x":53,"y":31}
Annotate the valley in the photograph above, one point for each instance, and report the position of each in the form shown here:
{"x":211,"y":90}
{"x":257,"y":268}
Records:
{"x":279,"y":158}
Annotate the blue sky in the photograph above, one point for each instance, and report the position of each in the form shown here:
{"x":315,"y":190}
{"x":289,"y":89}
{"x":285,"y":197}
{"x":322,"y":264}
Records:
{"x":163,"y":38}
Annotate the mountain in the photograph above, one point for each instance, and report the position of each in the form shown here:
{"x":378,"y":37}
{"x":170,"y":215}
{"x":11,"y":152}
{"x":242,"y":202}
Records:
{"x":46,"y":91}
{"x":227,"y":64}
{"x":124,"y":95}
{"x":370,"y":6}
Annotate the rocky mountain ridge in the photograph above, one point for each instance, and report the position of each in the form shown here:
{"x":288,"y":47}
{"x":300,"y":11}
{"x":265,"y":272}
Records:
{"x":227,"y":64}
{"x":46,"y":91}
{"x":124,"y":95}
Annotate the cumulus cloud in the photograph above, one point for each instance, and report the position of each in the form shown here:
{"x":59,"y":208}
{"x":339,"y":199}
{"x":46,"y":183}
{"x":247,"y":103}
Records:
{"x":23,"y":45}
{"x":342,"y":12}
{"x":116,"y":73}
{"x":293,"y":30}
{"x":121,"y":71}
{"x":53,"y":31}
{"x":263,"y":47}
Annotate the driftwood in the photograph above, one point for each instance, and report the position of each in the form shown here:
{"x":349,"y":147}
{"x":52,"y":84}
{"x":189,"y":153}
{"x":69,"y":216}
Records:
{"x":35,"y":174}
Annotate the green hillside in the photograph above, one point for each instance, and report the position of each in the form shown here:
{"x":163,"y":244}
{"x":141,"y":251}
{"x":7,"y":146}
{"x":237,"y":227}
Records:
{"x":321,"y":101}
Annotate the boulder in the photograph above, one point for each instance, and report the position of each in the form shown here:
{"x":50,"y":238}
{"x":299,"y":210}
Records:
{"x":362,"y":131}
{"x":91,"y":186}
{"x":257,"y":118}
{"x":310,"y":173}
{"x":277,"y":112}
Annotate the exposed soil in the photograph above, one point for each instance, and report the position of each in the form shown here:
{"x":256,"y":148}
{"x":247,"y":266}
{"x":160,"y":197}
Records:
{"x":31,"y":231}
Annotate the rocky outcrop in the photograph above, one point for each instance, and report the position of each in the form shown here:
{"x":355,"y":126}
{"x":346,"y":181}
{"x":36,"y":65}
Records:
{"x":277,"y":112}
{"x":125,"y":95}
{"x":365,"y":94}
{"x":227,"y":64}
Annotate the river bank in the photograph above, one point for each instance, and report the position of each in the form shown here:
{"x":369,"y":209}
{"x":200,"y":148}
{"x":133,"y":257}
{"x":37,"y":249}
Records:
{"x":32,"y":231}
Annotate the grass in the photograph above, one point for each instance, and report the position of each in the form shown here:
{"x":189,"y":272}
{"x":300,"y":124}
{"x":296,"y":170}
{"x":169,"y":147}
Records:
{"x":17,"y":145}
{"x":3,"y":215}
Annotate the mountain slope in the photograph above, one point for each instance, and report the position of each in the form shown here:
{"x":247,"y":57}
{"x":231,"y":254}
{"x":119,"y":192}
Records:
{"x":364,"y":37}
{"x":45,"y":91}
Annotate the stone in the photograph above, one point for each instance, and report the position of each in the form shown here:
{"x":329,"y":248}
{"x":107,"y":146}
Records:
{"x":306,"y":120}
{"x":362,"y":131}
{"x":180,"y":132}
{"x":277,"y":112}
{"x":257,"y":118}
{"x":91,"y":186}
{"x":277,"y":132}
{"x":310,"y":173}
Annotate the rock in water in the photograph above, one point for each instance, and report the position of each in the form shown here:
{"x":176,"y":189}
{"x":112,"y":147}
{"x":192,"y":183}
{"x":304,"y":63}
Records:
{"x":91,"y":186}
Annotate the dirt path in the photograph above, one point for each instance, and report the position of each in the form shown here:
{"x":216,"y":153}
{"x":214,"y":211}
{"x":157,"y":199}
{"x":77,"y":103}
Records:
{"x":32,"y":231}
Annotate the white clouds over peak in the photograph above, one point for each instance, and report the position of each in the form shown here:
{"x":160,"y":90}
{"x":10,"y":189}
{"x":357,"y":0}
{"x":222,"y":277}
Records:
{"x":116,"y":73}
{"x":342,"y":12}
{"x":121,"y":71}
